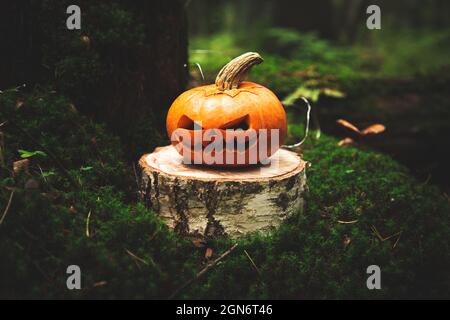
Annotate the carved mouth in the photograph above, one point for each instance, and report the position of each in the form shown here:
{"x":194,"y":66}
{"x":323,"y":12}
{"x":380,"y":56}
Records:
{"x":235,"y":133}
{"x":239,"y":141}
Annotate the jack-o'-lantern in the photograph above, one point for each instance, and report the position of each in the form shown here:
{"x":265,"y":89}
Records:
{"x":235,"y":122}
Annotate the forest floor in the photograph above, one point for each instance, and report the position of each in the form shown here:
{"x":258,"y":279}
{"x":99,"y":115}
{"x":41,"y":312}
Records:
{"x":68,"y":195}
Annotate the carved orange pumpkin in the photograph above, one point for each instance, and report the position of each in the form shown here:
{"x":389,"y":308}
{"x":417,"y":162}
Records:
{"x":231,"y":107}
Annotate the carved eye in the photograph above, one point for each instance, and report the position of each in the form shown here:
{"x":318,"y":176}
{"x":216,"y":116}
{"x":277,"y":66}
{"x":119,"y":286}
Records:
{"x":187,"y":123}
{"x":240,"y":123}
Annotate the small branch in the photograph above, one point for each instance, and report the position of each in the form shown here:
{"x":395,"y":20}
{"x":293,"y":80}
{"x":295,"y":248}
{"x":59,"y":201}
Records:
{"x":42,"y":174}
{"x":392,"y":235}
{"x":7,"y":207}
{"x":447,"y":196}
{"x":2,"y":145}
{"x":88,"y":221}
{"x":253,"y":263}
{"x":202,"y":272}
{"x":347,"y":222}
{"x":381,"y":238}
{"x":375,"y":231}
{"x":136,"y":257}
{"x":201,"y":71}
{"x":398,"y":239}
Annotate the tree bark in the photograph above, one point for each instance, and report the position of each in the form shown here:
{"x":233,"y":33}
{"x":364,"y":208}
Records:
{"x":205,"y":202}
{"x":21,"y":53}
{"x":127,"y":72}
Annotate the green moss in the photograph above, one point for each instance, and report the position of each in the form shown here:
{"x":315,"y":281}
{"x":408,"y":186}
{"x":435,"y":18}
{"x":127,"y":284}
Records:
{"x":307,"y":258}
{"x":291,"y":58}
{"x":45,"y":229}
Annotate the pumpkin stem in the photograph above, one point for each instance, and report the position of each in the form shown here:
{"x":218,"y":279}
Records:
{"x":234,"y":71}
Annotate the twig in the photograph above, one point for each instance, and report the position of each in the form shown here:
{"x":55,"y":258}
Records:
{"x":398,"y":239}
{"x":202,"y":272}
{"x":427,"y":180}
{"x":152,"y":262}
{"x":42,"y":174}
{"x":375,"y":231}
{"x":2,"y":145}
{"x":88,"y":220}
{"x":347,"y":222}
{"x":253,"y":263}
{"x":136,"y":257}
{"x":392,"y":235}
{"x":100,"y":284}
{"x":381,"y":238}
{"x":201,"y":71}
{"x":308,"y":111}
{"x":7,"y":207}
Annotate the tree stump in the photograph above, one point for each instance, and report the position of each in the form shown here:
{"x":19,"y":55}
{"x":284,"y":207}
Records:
{"x":204,"y":202}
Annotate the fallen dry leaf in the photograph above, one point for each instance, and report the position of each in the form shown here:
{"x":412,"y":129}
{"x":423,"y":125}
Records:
{"x":86,"y":40}
{"x":72,"y":108}
{"x":198,"y":243}
{"x":346,"y":142}
{"x":354,"y":134}
{"x":346,"y":241}
{"x":100,"y":284}
{"x":73,"y":210}
{"x":348,"y":125}
{"x":19,"y":103}
{"x":208,"y":253}
{"x":374,"y":129}
{"x":21,"y":166}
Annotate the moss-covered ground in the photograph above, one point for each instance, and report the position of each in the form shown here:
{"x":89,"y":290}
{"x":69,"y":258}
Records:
{"x":78,"y":204}
{"x":76,"y":200}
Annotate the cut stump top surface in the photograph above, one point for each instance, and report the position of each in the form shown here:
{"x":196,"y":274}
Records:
{"x":167,"y":161}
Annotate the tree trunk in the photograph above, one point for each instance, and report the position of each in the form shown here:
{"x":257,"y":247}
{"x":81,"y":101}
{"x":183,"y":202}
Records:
{"x":21,"y":53}
{"x":204,"y":202}
{"x":124,"y":67}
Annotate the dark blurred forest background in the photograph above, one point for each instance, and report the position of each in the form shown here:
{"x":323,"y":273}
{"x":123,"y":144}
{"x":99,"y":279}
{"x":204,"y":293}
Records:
{"x":395,"y":76}
{"x":78,"y":108}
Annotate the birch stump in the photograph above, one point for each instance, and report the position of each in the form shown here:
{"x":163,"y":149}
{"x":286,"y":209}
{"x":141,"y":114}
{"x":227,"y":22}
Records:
{"x":205,"y":202}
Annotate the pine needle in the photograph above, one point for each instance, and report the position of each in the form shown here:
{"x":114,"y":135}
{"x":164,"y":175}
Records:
{"x":88,"y":220}
{"x":7,"y":207}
